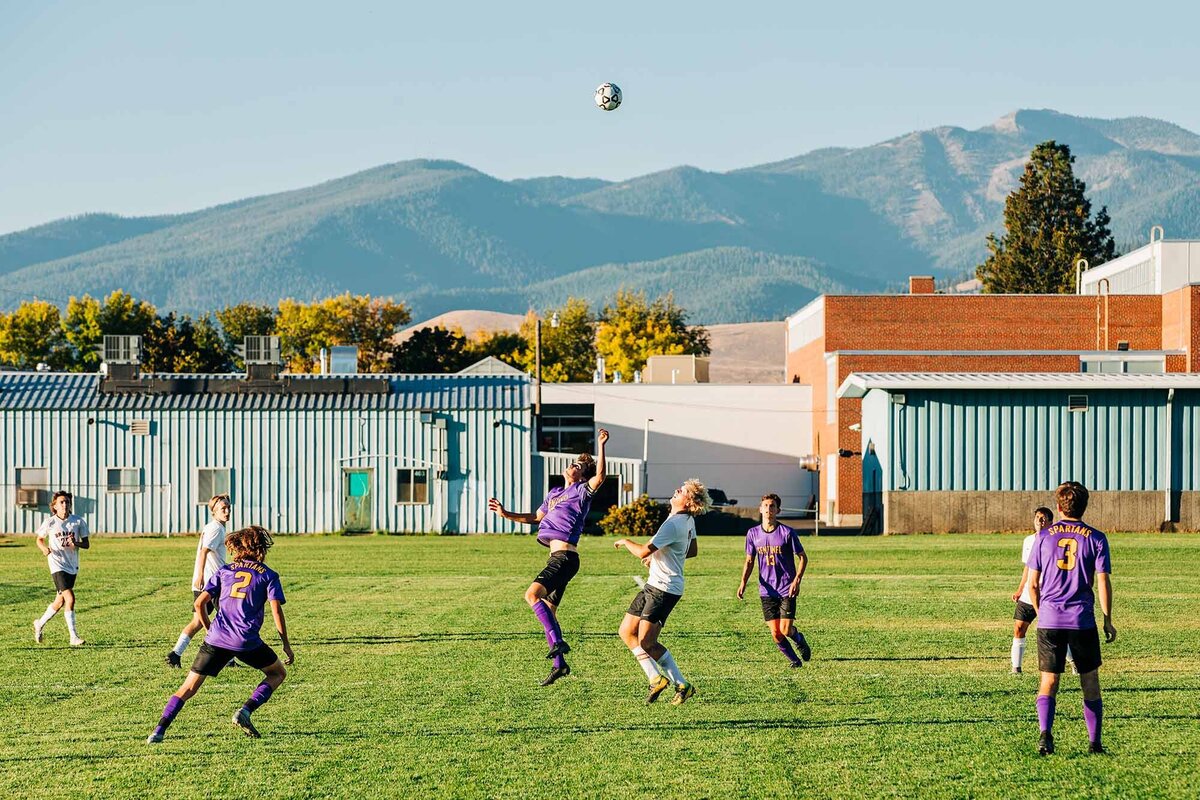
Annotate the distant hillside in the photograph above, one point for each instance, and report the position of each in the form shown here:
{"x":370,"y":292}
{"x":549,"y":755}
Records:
{"x":743,"y":245}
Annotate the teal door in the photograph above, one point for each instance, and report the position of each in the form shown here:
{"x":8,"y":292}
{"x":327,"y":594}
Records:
{"x":356,"y":499}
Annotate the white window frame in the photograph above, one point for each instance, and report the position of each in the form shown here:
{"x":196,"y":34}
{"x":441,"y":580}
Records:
{"x":122,"y":488}
{"x":17,"y":478}
{"x":412,"y":485}
{"x":201,"y":498}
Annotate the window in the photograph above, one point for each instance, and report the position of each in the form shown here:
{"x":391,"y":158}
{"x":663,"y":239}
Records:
{"x":567,"y":434}
{"x":412,"y":486}
{"x":124,"y":480}
{"x":211,"y":481}
{"x":33,"y":478}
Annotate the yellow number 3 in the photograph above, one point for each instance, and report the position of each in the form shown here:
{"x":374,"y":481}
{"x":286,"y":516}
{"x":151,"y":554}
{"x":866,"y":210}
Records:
{"x":244,"y":579}
{"x":1069,"y":546}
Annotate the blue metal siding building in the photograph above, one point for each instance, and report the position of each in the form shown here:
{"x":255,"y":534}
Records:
{"x":930,"y":438}
{"x":424,"y":455}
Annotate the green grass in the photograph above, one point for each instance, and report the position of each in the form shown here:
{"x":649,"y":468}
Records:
{"x":418,"y":666}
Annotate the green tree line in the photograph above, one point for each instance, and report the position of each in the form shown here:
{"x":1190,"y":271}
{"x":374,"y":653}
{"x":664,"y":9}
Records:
{"x":625,"y":331}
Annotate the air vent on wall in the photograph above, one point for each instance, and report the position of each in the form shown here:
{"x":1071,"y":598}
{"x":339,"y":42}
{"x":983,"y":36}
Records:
{"x":140,"y":427}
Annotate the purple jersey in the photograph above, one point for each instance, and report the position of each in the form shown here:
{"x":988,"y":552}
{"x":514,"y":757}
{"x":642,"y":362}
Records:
{"x":776,"y":551}
{"x":1068,"y":554}
{"x":564,"y":511}
{"x":241,"y":589}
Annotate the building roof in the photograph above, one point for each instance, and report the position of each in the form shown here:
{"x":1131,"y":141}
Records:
{"x":490,"y":365}
{"x":75,"y":391}
{"x":859,"y":383}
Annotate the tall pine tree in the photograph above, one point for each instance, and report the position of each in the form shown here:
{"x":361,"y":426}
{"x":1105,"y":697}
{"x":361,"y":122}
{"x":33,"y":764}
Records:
{"x":1049,"y":227}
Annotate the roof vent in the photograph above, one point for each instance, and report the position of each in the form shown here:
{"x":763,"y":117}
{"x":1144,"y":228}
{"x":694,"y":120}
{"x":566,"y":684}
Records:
{"x":123,"y":349}
{"x":262,"y":350}
{"x":1077,"y":402}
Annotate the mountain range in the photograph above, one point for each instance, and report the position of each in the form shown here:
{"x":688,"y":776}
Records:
{"x":749,"y":244}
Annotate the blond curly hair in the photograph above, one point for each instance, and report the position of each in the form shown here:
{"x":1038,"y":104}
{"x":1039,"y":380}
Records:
{"x":697,"y":502}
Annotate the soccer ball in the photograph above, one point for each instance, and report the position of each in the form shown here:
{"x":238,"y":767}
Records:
{"x":608,"y":96}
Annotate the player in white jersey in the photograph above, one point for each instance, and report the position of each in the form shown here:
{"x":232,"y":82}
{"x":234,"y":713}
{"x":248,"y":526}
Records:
{"x":60,"y":538}
{"x":1024,"y":613}
{"x":210,"y":557}
{"x":674,"y":542}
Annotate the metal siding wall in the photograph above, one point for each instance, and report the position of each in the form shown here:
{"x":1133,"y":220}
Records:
{"x":1185,"y":433}
{"x":286,"y":467}
{"x":1028,"y":441}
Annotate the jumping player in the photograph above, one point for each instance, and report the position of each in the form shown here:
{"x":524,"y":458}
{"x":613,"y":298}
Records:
{"x":1068,"y":568}
{"x":1024,"y":614}
{"x":60,"y":538}
{"x":242,"y":590}
{"x":674,"y":542}
{"x":560,"y":521}
{"x":777,"y":549}
{"x":210,"y":557}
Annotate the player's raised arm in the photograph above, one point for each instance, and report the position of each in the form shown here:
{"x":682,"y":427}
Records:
{"x":597,"y":480}
{"x":496,"y":507}
{"x":281,"y":626}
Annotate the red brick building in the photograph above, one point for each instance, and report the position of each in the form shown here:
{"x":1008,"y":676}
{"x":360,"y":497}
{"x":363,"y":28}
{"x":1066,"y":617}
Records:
{"x":836,"y":335}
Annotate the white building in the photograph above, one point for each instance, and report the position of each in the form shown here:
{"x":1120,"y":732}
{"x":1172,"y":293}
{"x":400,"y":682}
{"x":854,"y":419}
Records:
{"x":743,"y":439}
{"x":1160,"y":267}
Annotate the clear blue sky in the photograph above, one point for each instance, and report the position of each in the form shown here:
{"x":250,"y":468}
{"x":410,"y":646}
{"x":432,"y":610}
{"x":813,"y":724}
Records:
{"x":140,"y":108}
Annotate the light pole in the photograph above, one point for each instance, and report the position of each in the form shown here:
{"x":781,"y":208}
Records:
{"x":537,"y":362}
{"x":646,"y":457}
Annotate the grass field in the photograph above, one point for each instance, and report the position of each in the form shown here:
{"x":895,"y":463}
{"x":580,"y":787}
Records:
{"x":418,"y":666}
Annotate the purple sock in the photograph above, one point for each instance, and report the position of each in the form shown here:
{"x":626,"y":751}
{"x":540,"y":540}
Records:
{"x":549,"y":622}
{"x":1093,"y":715}
{"x":170,"y":711}
{"x":260,"y":695}
{"x":786,"y":649}
{"x":560,"y":662}
{"x":1045,"y":708}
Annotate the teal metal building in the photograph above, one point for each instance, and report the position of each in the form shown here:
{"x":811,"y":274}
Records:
{"x":980,"y":451}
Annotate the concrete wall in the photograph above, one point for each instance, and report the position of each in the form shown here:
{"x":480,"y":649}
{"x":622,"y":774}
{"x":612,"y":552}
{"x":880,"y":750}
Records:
{"x":967,"y":512}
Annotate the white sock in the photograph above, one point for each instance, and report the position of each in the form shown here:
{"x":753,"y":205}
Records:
{"x":69,"y":616}
{"x":182,"y":644}
{"x":1018,"y":652}
{"x":648,"y":664}
{"x":668,"y":663}
{"x":49,"y":615}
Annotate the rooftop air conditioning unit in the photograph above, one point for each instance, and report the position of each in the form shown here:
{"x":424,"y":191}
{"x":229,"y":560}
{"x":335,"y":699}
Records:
{"x":262,"y":350}
{"x":122,"y":349}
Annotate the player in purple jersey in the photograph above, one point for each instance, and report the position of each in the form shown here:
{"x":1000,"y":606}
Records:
{"x":560,"y":520}
{"x":243,"y":588}
{"x":777,"y":549}
{"x":1069,"y":566}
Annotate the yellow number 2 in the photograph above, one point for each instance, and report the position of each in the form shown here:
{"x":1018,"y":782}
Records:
{"x":1069,"y":546}
{"x":244,"y":579}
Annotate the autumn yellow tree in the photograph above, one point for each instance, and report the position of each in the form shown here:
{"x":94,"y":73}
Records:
{"x":632,"y":329}
{"x":33,"y":334}
{"x":568,"y":350}
{"x":370,"y":323}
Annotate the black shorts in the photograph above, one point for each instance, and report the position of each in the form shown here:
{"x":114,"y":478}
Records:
{"x":1053,"y":644}
{"x":653,"y":604}
{"x":211,"y":660}
{"x":779,"y":608}
{"x":557,"y":573}
{"x":208,"y":607}
{"x":63,"y":580}
{"x":1024,"y":612}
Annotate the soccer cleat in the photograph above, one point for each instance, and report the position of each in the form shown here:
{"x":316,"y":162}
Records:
{"x":559,"y":649}
{"x":242,"y":720}
{"x":657,"y":687}
{"x":173,"y":660}
{"x":682,"y":692}
{"x":37,"y":631}
{"x":77,"y":642}
{"x":154,"y":738}
{"x":557,"y":673}
{"x":1095,"y":748}
{"x":1046,"y":745}
{"x":805,"y":650}
{"x":797,"y":664}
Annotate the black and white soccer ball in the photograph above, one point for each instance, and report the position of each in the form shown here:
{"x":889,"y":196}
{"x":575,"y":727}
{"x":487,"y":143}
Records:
{"x":608,"y":96}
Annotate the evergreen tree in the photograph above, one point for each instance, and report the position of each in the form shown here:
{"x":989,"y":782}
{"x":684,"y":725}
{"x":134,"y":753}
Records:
{"x":435,"y":350}
{"x":1049,"y":227}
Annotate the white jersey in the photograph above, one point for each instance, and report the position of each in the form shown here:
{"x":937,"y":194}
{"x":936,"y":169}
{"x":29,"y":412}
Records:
{"x":59,"y":533}
{"x":213,"y":538}
{"x":673,"y":540}
{"x":1026,"y":549}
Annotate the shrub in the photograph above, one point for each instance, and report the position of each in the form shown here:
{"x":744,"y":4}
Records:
{"x":639,"y":519}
